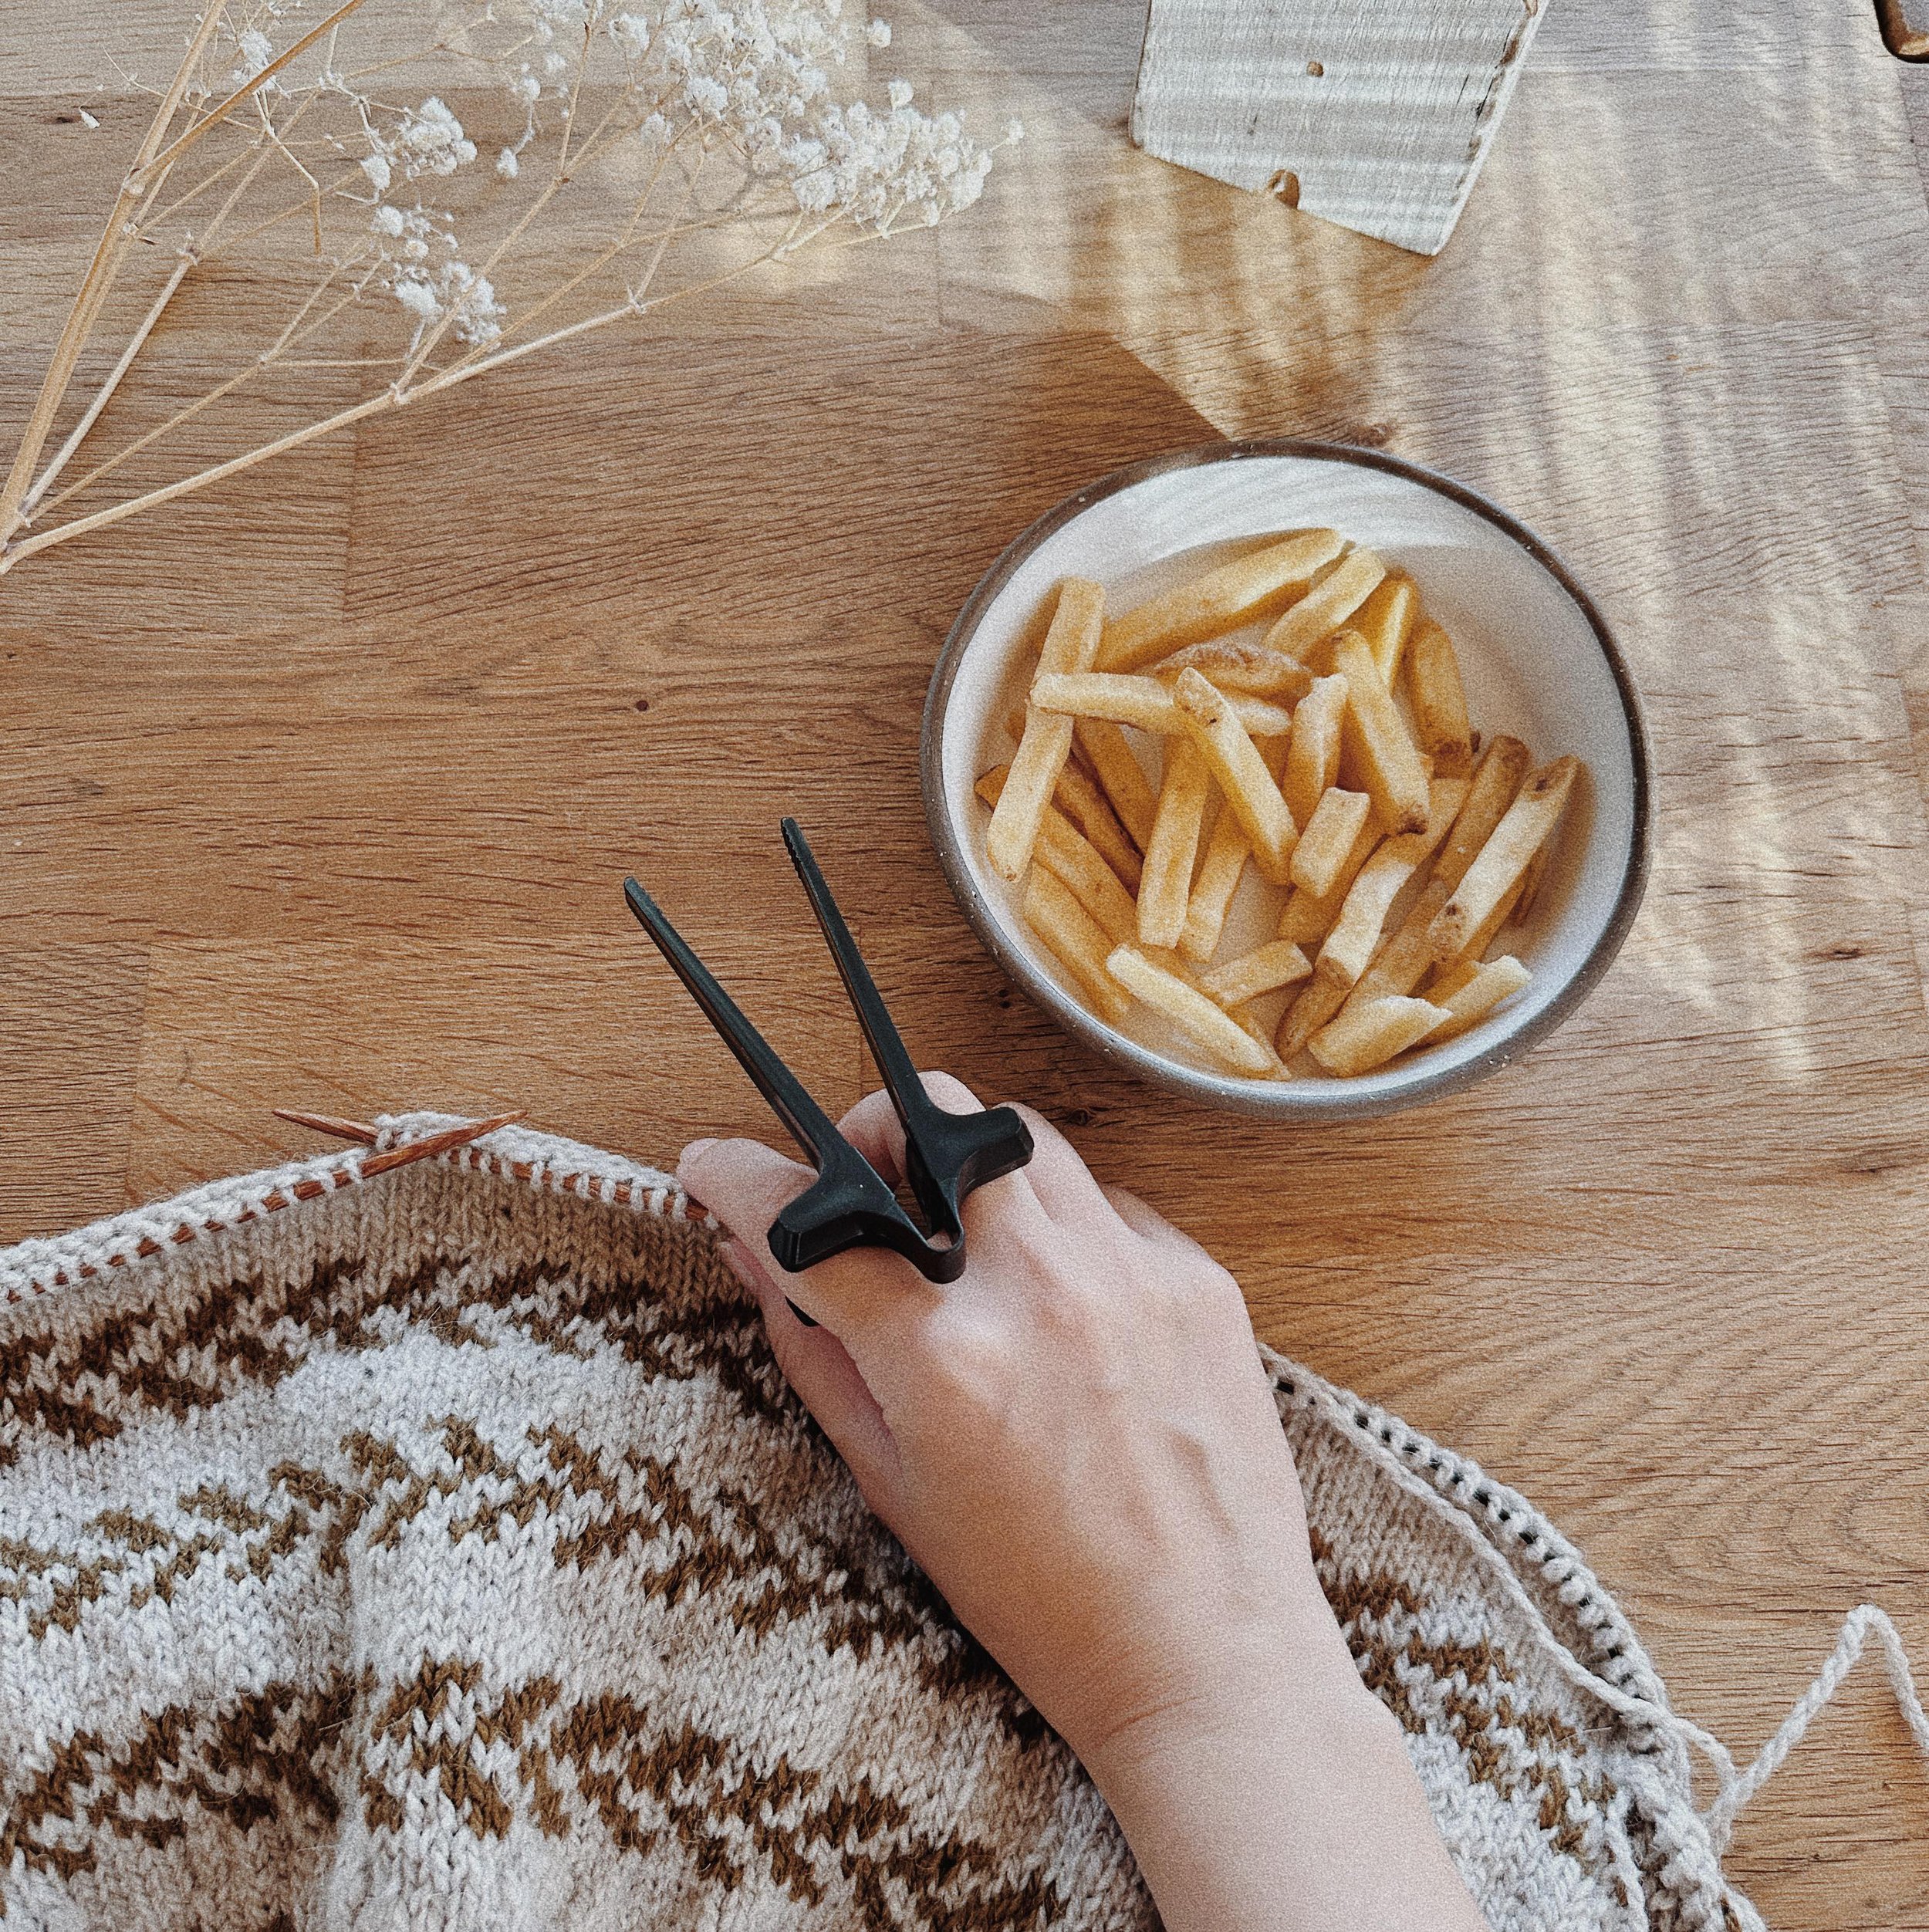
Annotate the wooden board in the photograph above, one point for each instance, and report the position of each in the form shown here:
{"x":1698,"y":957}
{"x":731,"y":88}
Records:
{"x":1376,"y":116}
{"x":317,"y":791}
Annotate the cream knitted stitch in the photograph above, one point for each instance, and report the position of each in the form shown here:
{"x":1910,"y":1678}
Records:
{"x":444,"y":1549}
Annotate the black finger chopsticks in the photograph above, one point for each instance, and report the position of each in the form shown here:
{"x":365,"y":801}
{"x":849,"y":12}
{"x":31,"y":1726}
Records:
{"x":850,"y":1204}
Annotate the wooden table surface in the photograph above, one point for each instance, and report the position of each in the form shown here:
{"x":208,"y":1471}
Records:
{"x":315,"y":789}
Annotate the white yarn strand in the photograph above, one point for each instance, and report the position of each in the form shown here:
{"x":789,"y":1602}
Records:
{"x":1865,"y":1617}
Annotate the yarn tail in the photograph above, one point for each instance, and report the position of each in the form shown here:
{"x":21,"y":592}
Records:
{"x":1866,"y":1617}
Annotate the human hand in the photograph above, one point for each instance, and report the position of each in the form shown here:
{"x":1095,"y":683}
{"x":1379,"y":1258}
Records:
{"x":1076,"y":1441}
{"x":1078,"y":1444}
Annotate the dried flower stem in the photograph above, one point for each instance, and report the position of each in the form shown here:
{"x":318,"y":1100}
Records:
{"x":105,"y":393}
{"x":724,"y":109}
{"x":250,"y":90}
{"x":115,"y":240}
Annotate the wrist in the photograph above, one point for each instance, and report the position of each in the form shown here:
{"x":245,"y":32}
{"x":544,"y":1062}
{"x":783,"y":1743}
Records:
{"x":1288,"y":1807}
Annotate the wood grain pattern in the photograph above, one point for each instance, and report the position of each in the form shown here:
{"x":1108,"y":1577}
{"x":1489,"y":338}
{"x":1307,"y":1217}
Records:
{"x":317,"y":790}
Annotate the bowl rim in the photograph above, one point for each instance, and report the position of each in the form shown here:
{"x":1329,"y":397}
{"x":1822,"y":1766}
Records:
{"x":1272,"y":1099}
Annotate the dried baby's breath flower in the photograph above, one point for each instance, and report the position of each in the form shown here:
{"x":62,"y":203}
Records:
{"x":675,"y":142}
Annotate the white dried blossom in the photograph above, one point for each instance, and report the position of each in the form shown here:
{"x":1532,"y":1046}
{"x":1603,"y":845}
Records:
{"x":376,"y":167}
{"x":432,"y":140}
{"x":879,"y":33}
{"x":388,"y":221}
{"x":507,"y":165}
{"x":631,"y":32}
{"x":256,"y":50}
{"x":456,"y":292}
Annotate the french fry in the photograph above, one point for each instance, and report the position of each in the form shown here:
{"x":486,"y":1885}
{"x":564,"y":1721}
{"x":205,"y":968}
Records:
{"x":1070,"y":645}
{"x":1469,"y":1002}
{"x":1081,"y":802}
{"x":1066,"y":851}
{"x":1439,"y":701}
{"x":1305,"y":920}
{"x":1234,"y":761}
{"x":1220,"y":871}
{"x":1318,"y":1001}
{"x":1247,"y":669}
{"x":1533,"y":879}
{"x":1145,"y":702}
{"x":1121,"y":774}
{"x":1220,"y":600}
{"x":1075,"y":938}
{"x":1503,"y":860}
{"x":1256,"y":1030}
{"x":1385,"y":621}
{"x":1166,"y":884}
{"x":1264,"y":969}
{"x":1400,"y":964}
{"x":1327,"y":605}
{"x":1313,"y":758}
{"x":1337,"y":821}
{"x":1190,"y":1011}
{"x":1493,"y":925}
{"x":1349,"y":946}
{"x":1377,"y":754}
{"x":1497,"y":782}
{"x":1358,"y":1042}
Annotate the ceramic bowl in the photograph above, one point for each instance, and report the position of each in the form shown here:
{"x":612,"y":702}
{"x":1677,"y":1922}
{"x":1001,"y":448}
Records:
{"x":1539,"y":662}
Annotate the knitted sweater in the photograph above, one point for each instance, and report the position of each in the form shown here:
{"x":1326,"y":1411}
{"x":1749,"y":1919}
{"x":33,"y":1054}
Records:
{"x":445,"y":1549}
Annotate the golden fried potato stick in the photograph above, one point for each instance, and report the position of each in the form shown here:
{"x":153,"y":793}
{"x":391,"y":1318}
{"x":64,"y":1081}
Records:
{"x":1439,"y":701}
{"x":1188,"y":1009}
{"x":1318,"y":1001}
{"x":1248,"y":669}
{"x":1313,"y":757}
{"x":1167,"y":882}
{"x":1349,"y":946}
{"x":1264,"y":969}
{"x":1491,"y":926}
{"x":1503,"y":860}
{"x":1235,"y":762}
{"x":1213,"y":891}
{"x":1469,"y":1002}
{"x":1399,"y":965}
{"x":1220,"y":871}
{"x":1377,"y":754}
{"x":1120,"y":773}
{"x":1385,"y":621}
{"x":1070,"y":645}
{"x":1327,"y":605}
{"x":1145,"y":702}
{"x":1337,"y":820}
{"x":1533,"y":879}
{"x":1220,"y":600}
{"x":1088,"y":807}
{"x":1066,"y":851}
{"x":1075,"y":938}
{"x":1358,"y":1042}
{"x":1307,"y":920}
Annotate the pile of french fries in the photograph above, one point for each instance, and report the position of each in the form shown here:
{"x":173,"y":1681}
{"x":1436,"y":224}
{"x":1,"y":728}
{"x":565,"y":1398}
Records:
{"x":1332,"y":755}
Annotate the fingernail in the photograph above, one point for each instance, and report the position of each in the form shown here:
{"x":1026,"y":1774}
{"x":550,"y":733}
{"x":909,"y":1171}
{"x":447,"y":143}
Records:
{"x":695,"y":1150}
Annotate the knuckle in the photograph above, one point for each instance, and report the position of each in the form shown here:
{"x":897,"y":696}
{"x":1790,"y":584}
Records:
{"x":950,"y":1092}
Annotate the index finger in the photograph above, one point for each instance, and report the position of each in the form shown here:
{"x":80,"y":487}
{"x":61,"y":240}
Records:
{"x":859,"y":1296}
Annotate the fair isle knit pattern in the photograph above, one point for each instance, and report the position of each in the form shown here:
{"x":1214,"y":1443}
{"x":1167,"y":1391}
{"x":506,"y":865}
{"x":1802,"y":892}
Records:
{"x":444,"y":1550}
